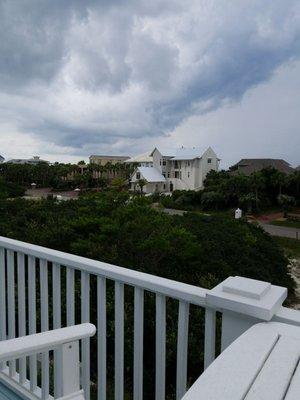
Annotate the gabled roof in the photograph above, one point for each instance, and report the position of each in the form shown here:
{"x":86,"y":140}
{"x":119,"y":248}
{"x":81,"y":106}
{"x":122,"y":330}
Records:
{"x":165,"y":153}
{"x":187,"y":154}
{"x":145,"y":157}
{"x":249,"y":165}
{"x":182,"y":153}
{"x":151,"y":174}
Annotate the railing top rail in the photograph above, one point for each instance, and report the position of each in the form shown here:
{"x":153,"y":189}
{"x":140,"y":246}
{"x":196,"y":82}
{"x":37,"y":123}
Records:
{"x":167,"y":287}
{"x":287,"y":316}
{"x":45,"y":341}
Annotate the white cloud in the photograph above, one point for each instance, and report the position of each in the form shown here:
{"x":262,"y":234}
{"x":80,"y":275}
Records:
{"x":114,"y":76}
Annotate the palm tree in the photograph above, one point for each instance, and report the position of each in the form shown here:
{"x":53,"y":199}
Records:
{"x":257,"y":183}
{"x":142,"y":183}
{"x":295,"y":179}
{"x":279,"y":179}
{"x":119,"y":184}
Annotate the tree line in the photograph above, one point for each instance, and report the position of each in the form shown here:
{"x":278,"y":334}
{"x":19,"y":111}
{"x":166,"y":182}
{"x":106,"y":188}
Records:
{"x":59,"y":176}
{"x":260,"y":190}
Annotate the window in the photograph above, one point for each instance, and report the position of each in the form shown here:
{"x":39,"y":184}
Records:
{"x":189,"y":163}
{"x":168,"y":174}
{"x":209,"y":161}
{"x":164,"y":186}
{"x":177,"y":174}
{"x":138,"y":175}
{"x":188,"y":174}
{"x":164,"y":162}
{"x":159,"y":162}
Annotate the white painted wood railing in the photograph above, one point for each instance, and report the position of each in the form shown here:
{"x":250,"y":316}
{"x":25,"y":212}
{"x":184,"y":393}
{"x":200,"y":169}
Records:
{"x":23,"y":267}
{"x":25,"y":274}
{"x":65,"y":343}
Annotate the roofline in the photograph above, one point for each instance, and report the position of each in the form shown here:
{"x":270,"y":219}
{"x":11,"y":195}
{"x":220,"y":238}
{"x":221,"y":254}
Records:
{"x":105,"y":156}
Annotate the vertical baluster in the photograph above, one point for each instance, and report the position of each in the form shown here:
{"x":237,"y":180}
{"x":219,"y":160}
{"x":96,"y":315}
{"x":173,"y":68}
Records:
{"x":70,"y":297}
{"x":119,"y":341}
{"x":32,"y":319}
{"x":85,"y":317}
{"x":160,"y":349}
{"x":101,"y":317}
{"x":56,"y":291}
{"x":2,"y":300}
{"x":138,"y":343}
{"x":21,"y":312}
{"x":11,"y":305}
{"x":44,"y":325}
{"x":182,"y":346}
{"x":210,"y":337}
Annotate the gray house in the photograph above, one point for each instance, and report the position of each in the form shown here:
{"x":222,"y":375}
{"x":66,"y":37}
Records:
{"x":249,"y":165}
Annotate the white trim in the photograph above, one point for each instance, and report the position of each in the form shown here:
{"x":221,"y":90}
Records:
{"x":42,"y":342}
{"x":168,"y":287}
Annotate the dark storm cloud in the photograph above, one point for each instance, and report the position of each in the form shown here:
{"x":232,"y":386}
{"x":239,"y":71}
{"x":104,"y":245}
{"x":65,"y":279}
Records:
{"x":79,"y":73}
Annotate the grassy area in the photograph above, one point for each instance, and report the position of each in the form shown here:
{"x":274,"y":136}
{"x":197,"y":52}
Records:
{"x":290,"y":224}
{"x":291,"y":247}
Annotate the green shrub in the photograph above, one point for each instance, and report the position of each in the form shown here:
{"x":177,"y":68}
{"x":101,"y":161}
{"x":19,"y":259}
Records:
{"x":199,"y":250}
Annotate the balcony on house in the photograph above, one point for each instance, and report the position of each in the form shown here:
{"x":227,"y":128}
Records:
{"x":56,"y":303}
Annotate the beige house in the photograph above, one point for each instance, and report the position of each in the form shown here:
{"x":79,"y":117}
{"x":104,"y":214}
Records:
{"x":103,"y":160}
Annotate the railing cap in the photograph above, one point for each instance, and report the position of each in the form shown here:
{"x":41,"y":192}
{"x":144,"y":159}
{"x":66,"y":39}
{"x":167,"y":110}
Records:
{"x":247,"y":296}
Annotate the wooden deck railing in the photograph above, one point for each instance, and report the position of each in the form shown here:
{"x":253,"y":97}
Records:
{"x":24,"y":266}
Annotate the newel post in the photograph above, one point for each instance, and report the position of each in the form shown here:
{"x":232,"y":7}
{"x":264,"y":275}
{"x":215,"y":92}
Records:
{"x":243,"y":303}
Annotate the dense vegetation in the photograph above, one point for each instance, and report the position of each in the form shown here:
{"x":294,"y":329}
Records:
{"x":261,"y":190}
{"x":194,"y":249}
{"x":60,"y":176}
{"x":8,"y":189}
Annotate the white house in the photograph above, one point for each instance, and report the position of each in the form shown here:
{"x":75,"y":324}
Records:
{"x":32,"y":161}
{"x":2,"y":159}
{"x":184,"y":169}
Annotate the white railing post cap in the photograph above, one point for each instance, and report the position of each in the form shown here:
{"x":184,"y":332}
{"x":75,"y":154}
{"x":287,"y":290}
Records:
{"x":247,"y":296}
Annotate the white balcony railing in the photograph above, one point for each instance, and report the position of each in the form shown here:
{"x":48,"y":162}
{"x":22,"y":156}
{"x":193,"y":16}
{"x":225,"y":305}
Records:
{"x":23,"y":267}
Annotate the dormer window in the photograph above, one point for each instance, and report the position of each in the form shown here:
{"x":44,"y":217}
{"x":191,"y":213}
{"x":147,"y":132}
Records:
{"x":209,"y":161}
{"x":138,"y":175}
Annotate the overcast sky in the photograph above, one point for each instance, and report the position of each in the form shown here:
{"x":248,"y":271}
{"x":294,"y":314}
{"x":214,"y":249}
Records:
{"x":120,"y":77}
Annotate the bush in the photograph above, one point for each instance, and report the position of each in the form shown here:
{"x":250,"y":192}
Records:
{"x":193,"y":249}
{"x":10,"y":190}
{"x":286,"y":202}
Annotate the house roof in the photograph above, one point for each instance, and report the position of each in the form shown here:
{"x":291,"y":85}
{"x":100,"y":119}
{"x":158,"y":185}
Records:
{"x":182,"y":153}
{"x":34,"y":160}
{"x":167,"y":153}
{"x":187,"y":154}
{"x":249,"y":165}
{"x":151,"y":174}
{"x":145,"y":157}
{"x":106,"y":156}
